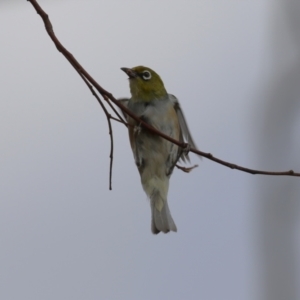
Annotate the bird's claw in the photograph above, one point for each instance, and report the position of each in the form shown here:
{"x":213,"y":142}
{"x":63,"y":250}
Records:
{"x":186,"y":169}
{"x":137,"y":129}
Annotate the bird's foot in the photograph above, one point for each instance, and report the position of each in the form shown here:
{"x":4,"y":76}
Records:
{"x":137,"y":129}
{"x":186,"y":169}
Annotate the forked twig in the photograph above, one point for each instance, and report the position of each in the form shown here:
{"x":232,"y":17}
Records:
{"x":108,"y":117}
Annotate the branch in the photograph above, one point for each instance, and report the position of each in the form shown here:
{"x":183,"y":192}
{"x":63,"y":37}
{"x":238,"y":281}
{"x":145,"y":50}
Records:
{"x":109,"y":97}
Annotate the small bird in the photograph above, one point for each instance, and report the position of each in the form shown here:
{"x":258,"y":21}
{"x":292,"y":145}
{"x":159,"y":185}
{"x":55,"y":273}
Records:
{"x":154,"y":156}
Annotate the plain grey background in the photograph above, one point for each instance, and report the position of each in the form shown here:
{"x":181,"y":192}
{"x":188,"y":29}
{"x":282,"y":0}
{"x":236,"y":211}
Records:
{"x":235,"y":68}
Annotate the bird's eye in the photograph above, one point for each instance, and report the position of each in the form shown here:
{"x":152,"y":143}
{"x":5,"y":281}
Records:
{"x":146,"y":75}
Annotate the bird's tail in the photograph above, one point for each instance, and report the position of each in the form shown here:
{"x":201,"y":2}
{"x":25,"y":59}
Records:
{"x":161,"y":216}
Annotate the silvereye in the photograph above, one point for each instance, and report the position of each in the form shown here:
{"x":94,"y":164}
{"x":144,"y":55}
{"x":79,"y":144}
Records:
{"x":154,"y":156}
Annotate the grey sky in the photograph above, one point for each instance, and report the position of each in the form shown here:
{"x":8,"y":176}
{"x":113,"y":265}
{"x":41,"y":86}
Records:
{"x":63,"y":234}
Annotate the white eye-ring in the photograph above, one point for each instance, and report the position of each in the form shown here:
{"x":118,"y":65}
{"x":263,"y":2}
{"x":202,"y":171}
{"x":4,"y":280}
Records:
{"x":146,"y":75}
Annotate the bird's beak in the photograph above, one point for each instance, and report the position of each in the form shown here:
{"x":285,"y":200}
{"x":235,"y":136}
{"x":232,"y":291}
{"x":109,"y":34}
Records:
{"x":129,"y":72}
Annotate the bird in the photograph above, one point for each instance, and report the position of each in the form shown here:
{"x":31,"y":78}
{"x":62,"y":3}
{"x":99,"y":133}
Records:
{"x":154,"y":156}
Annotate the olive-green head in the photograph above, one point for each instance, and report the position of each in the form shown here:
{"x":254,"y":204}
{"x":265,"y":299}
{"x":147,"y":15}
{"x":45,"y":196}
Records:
{"x":145,"y":84}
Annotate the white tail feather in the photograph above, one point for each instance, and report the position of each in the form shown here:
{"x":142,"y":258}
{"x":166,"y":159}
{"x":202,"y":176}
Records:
{"x":161,"y":215}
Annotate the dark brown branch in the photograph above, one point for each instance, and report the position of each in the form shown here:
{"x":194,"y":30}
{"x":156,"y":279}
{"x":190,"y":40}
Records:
{"x":109,"y":96}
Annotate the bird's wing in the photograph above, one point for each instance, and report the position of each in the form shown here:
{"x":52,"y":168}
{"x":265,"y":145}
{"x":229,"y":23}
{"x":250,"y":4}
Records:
{"x":185,"y":135}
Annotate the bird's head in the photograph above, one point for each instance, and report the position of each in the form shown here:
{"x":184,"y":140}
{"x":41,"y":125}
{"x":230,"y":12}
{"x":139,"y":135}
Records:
{"x":145,"y":84}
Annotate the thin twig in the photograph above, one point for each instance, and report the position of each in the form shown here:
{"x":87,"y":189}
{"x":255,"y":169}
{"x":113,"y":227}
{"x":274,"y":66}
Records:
{"x":120,"y":121}
{"x":108,"y":117}
{"x":103,"y":92}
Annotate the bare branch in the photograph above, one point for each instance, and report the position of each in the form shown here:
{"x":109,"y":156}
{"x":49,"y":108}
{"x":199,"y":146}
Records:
{"x":106,"y":95}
